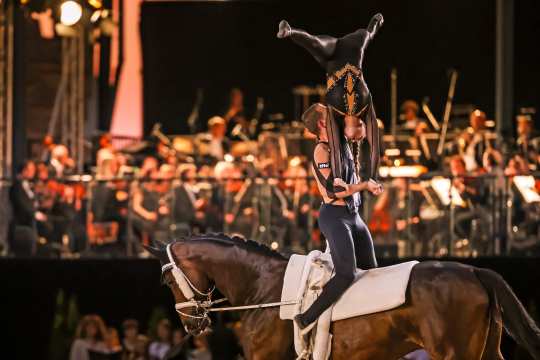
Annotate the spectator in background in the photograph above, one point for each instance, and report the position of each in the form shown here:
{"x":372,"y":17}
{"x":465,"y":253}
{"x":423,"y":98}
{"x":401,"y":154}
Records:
{"x":141,"y":348}
{"x":113,"y":341}
{"x":91,"y":335}
{"x":129,"y":343}
{"x":159,"y":347}
{"x":201,"y":351}
{"x":180,"y":346}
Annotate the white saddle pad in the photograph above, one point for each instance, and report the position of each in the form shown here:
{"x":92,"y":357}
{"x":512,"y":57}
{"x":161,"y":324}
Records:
{"x":373,"y":291}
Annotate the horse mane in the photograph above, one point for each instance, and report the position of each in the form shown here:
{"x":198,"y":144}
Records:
{"x":224,"y":239}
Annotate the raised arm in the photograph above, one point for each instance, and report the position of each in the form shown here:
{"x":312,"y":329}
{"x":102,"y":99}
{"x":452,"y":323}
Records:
{"x":321,"y":47}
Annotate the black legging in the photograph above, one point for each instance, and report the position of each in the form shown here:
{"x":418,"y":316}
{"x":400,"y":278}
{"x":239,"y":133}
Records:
{"x":351,"y":246}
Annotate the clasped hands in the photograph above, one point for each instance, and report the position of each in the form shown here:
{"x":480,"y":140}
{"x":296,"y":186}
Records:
{"x":371,"y":185}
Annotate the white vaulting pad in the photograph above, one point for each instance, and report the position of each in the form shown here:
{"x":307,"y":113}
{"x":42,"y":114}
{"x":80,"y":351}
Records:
{"x":373,"y":291}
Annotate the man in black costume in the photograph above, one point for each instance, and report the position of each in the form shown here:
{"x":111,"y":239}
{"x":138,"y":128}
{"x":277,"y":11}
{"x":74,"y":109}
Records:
{"x":349,"y":115}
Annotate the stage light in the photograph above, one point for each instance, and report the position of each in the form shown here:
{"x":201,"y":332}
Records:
{"x":295,"y":161}
{"x":95,"y":16}
{"x":98,"y":4}
{"x":70,"y":13}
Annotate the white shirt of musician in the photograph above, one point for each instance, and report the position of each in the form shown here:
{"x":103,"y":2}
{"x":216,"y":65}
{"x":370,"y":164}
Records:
{"x":216,"y":148}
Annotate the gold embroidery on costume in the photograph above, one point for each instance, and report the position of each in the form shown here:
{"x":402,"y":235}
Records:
{"x":350,"y":97}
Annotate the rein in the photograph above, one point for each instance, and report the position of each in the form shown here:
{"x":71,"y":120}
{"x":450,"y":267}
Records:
{"x":187,"y":288}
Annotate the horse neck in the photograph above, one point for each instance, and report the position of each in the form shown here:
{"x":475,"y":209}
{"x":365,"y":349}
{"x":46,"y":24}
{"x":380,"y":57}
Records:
{"x":245,"y":277}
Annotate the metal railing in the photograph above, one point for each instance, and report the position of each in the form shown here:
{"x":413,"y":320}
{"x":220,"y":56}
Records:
{"x":426,"y":216}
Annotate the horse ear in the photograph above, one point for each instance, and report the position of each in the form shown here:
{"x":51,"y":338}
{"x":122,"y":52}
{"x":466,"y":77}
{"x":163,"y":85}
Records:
{"x":157,"y":253}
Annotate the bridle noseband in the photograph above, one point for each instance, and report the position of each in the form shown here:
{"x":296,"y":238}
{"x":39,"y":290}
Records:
{"x":188,"y":290}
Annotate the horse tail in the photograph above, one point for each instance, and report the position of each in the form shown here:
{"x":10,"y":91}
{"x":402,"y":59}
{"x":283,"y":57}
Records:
{"x":517,"y":322}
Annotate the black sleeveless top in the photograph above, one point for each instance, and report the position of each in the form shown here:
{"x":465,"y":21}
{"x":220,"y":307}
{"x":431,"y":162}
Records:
{"x":349,"y":176}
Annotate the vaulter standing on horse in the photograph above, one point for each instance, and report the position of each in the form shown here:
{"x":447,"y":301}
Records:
{"x":348,"y":116}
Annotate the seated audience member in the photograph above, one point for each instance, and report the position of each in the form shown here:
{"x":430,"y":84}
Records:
{"x":201,"y":350}
{"x":180,"y":346}
{"x":23,"y":232}
{"x":113,"y":341}
{"x":130,"y":328}
{"x":141,"y":348}
{"x":91,"y":335}
{"x":61,"y":163}
{"x":161,"y":345}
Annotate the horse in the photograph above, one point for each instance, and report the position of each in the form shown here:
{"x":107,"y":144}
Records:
{"x":452,"y":310}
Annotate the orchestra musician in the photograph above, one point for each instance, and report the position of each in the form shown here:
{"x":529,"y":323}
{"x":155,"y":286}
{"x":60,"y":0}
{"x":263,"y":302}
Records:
{"x":473,"y":193}
{"x":412,"y":125}
{"x":236,"y":117}
{"x":474,"y":141}
{"x":61,"y":163}
{"x":262,"y":205}
{"x":187,"y":209}
{"x":415,"y":128}
{"x":528,"y":141}
{"x":22,"y":230}
{"x":214,"y":144}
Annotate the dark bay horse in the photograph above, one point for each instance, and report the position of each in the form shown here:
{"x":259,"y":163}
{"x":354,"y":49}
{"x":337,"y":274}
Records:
{"x":453,"y":311}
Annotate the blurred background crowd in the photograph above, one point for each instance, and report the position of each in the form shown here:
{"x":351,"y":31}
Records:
{"x":478,"y":196}
{"x":93,"y":339}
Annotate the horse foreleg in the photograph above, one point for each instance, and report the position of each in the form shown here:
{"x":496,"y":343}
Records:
{"x":266,"y":337}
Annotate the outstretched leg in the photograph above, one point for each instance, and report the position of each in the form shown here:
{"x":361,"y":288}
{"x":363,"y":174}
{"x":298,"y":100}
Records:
{"x":321,"y":47}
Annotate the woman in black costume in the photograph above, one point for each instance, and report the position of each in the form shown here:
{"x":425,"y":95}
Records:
{"x":349,"y":115}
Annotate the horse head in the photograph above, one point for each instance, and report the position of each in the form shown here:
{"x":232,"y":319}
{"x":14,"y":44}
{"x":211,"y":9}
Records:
{"x":190,"y":285}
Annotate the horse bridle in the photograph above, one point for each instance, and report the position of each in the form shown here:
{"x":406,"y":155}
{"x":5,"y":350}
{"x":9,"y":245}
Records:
{"x":188,"y":290}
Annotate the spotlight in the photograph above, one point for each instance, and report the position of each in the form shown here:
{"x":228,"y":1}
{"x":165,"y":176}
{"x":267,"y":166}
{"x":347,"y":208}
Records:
{"x":98,"y":4}
{"x":96,"y":15}
{"x":70,"y":13}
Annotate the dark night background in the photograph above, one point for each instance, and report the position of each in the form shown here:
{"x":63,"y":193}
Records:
{"x":221,"y":45}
